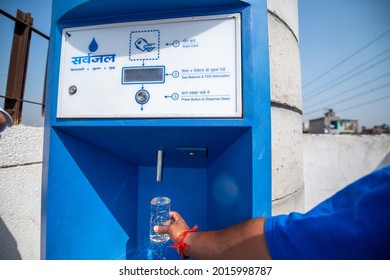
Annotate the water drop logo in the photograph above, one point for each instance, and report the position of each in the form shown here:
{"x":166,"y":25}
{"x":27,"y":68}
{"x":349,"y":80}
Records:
{"x":93,"y":46}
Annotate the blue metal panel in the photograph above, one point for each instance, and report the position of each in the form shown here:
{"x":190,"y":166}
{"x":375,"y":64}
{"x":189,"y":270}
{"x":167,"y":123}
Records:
{"x":229,"y":185}
{"x":122,"y":10}
{"x":91,"y":202}
{"x":138,"y":144}
{"x":259,"y":94}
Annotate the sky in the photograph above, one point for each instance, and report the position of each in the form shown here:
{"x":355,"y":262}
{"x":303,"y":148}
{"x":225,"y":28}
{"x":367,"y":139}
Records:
{"x":344,"y":48}
{"x":345,"y":59}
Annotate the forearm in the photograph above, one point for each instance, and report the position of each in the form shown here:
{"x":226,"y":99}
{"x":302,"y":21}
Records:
{"x":245,"y":240}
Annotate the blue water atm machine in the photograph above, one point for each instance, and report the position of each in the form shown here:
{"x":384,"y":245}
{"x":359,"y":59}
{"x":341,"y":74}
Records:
{"x":153,"y":98}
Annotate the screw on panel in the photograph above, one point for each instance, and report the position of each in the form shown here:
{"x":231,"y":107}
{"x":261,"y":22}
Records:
{"x":72,"y":89}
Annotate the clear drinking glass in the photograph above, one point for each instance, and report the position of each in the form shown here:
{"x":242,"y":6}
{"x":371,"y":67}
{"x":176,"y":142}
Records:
{"x":159,"y":215}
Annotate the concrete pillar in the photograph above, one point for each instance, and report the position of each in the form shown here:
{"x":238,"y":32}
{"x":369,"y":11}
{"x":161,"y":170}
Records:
{"x":286,"y":107}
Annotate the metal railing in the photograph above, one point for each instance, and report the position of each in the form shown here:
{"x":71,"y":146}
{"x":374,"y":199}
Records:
{"x":17,"y":72}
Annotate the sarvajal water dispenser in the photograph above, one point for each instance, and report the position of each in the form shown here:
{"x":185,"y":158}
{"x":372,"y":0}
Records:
{"x":153,"y":98}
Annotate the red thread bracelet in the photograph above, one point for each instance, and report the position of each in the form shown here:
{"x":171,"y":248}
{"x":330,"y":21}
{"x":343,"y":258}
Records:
{"x":180,"y":245}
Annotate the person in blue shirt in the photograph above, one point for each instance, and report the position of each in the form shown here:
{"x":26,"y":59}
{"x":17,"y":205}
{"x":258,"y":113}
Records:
{"x":354,"y":223}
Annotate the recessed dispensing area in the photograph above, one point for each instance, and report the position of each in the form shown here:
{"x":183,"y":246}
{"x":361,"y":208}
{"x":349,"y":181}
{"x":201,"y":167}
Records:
{"x":101,"y":191}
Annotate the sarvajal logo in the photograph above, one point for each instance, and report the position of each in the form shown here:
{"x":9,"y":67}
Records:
{"x":93,"y":46}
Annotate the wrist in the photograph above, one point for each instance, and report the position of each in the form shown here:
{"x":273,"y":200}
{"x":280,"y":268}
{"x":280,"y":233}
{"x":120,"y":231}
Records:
{"x":181,"y":243}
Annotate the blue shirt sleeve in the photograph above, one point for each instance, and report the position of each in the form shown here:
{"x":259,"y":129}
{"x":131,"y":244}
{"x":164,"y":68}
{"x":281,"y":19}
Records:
{"x":352,"y":224}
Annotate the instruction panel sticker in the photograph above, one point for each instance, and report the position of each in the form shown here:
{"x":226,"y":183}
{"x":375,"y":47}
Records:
{"x":176,"y":68}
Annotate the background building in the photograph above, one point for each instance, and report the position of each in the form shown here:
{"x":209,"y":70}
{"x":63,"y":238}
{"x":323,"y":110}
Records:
{"x":331,"y":124}
{"x":377,"y":129}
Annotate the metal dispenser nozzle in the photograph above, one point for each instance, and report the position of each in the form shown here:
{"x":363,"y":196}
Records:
{"x":160,"y":155}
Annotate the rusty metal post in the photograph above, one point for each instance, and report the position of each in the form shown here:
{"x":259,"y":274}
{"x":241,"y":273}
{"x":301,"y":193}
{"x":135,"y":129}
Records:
{"x":18,"y":66}
{"x":44,"y":87}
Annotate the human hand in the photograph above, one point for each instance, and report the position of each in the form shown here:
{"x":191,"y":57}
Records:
{"x":175,"y":228}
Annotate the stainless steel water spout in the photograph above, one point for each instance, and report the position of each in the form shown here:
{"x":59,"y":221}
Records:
{"x":160,"y":155}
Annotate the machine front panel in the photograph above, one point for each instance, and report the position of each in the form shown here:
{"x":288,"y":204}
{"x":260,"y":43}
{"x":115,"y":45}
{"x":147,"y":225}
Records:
{"x":177,"y":68}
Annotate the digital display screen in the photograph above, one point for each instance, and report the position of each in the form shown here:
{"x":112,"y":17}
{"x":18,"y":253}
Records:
{"x":137,"y":75}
